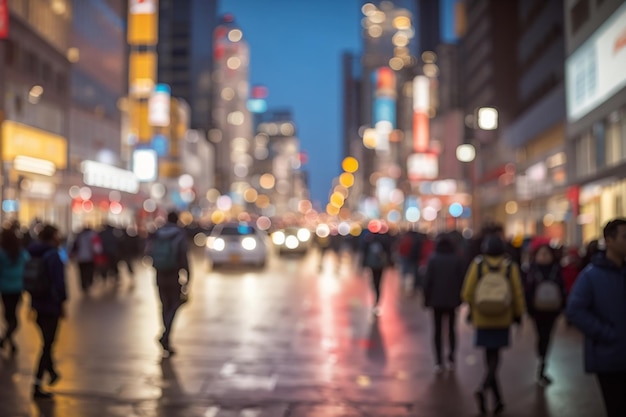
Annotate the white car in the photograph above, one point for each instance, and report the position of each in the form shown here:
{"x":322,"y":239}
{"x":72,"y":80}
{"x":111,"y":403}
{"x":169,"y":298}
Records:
{"x":237,"y":244}
{"x":296,"y":240}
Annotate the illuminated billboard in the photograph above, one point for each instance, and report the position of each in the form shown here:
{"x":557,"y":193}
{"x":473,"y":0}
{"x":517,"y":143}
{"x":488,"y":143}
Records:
{"x":595,"y":71}
{"x":384,"y":80}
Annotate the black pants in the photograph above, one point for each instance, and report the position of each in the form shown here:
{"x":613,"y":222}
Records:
{"x":544,"y":327}
{"x":492,"y":361}
{"x":377,"y":278}
{"x":439,"y":314}
{"x":10,"y":302}
{"x":170,"y":302}
{"x":87,"y":270}
{"x":613,"y":387}
{"x":48,"y":325}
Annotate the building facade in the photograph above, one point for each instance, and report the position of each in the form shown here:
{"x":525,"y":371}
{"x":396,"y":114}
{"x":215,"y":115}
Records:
{"x":35,"y":91}
{"x":540,"y":206}
{"x":595,"y":85}
{"x":185,"y":54}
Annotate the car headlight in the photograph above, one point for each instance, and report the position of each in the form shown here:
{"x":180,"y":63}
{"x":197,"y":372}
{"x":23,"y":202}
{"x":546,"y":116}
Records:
{"x":304,"y":235}
{"x":248,"y":243}
{"x":219,"y":244}
{"x":292,"y":242}
{"x":278,"y":238}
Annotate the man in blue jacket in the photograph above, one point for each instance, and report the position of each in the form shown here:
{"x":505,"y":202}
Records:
{"x":597,"y":306}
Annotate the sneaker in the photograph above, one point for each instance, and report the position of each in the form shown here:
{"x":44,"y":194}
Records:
{"x":438,"y":369}
{"x":54,"y":378}
{"x":499,"y":409}
{"x":451,"y":362}
{"x":40,"y":394}
{"x":376,"y":311}
{"x":544,"y":381}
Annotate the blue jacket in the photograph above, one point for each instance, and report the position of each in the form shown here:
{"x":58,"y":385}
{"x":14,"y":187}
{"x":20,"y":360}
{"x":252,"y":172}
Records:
{"x":597,"y":306}
{"x":52,"y":305}
{"x":12,"y":272}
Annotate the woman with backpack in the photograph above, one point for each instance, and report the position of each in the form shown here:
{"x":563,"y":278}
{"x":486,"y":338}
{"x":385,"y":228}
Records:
{"x":545,"y":298}
{"x":12,"y":260}
{"x":495,"y":295}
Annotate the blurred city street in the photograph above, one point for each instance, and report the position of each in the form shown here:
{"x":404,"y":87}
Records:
{"x":295,"y":339}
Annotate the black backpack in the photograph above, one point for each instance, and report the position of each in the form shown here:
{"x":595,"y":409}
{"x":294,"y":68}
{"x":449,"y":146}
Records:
{"x":37,"y":280}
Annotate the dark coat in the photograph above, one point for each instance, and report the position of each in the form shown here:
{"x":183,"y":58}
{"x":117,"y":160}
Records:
{"x":177,"y":234}
{"x":52,"y":304}
{"x":443,"y":281}
{"x":597,"y":306}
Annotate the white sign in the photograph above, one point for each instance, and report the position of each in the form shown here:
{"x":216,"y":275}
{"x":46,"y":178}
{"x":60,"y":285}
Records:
{"x":159,"y":106}
{"x":142,"y":6}
{"x":145,"y":164}
{"x":97,"y":174}
{"x":423,"y":166}
{"x":595,"y":71}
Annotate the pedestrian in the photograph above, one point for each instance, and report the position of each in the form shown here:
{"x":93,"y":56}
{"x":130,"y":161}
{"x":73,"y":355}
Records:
{"x":591,"y":249}
{"x":168,"y":249}
{"x":570,"y":268}
{"x":494,"y":292}
{"x":86,"y":247}
{"x":376,"y":256}
{"x":110,"y":238}
{"x":545,"y":300}
{"x":597,"y":306}
{"x":443,"y":282}
{"x":407,"y":264}
{"x":49,"y":307}
{"x":12,"y":260}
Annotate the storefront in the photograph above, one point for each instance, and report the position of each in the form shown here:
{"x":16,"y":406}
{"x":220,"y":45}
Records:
{"x":600,"y":202}
{"x":33,"y":161}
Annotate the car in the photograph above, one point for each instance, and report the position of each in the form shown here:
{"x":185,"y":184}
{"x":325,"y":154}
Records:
{"x":292,"y":240}
{"x":237,"y":244}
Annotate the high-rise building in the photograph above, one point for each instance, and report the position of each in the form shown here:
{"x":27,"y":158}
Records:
{"x":595,"y":34}
{"x":34,"y":110}
{"x":232,"y":121}
{"x":537,"y":133}
{"x":185,"y":54}
{"x":489,"y":54}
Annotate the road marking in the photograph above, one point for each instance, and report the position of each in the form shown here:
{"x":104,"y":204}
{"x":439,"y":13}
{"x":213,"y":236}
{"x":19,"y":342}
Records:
{"x":229,"y":369}
{"x":212,"y":412}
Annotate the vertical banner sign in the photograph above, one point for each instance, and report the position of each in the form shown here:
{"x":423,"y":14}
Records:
{"x":142,"y":6}
{"x":384,"y":106}
{"x":4,"y":19}
{"x":421,"y":123}
{"x":159,"y":106}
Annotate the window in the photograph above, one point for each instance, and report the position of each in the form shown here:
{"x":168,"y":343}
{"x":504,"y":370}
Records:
{"x":613,"y":140}
{"x":585,"y":156}
{"x":579,"y":14}
{"x":61,"y":83}
{"x":599,"y":133}
{"x":623,"y":132}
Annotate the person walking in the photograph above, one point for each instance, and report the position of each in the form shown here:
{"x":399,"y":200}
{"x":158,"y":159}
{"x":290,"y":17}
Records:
{"x":376,"y":257}
{"x":545,"y":300}
{"x":49,"y":306}
{"x":597,"y":306}
{"x":494,"y":293}
{"x":12,"y":260}
{"x":168,"y":249}
{"x":443,"y":282}
{"x":86,"y":247}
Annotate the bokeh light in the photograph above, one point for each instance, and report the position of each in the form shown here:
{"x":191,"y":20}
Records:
{"x":350,"y":164}
{"x":250,"y":195}
{"x":267,"y":181}
{"x":218,"y":217}
{"x":346,"y":179}
{"x":263,"y":223}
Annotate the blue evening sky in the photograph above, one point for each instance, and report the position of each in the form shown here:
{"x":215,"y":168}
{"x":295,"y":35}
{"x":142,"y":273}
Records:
{"x":295,"y":50}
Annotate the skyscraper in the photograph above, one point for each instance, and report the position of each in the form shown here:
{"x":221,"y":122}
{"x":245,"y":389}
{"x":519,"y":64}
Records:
{"x":185,"y":56}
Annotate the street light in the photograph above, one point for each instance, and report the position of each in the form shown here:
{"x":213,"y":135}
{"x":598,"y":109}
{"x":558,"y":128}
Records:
{"x":466,"y":152}
{"x":487,"y":118}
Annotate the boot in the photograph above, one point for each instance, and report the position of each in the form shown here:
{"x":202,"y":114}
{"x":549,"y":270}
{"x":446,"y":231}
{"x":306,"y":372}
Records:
{"x":39,"y":393}
{"x":542,"y":379}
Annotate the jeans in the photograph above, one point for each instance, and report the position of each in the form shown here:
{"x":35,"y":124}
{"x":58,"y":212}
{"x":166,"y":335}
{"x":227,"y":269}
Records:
{"x":87,"y":270}
{"x":377,"y":278}
{"x":492,"y":361}
{"x":10,"y":302}
{"x":544,"y":328}
{"x":439,"y":314}
{"x":48,"y":325}
{"x":613,"y":387}
{"x":170,"y":302}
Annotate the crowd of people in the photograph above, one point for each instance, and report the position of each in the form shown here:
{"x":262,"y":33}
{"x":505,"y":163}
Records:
{"x":34,"y":261}
{"x":504,"y":281}
{"x":501,"y":282}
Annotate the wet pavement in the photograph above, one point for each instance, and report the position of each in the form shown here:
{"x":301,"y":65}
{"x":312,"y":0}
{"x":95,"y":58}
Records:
{"x":293,"y":340}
